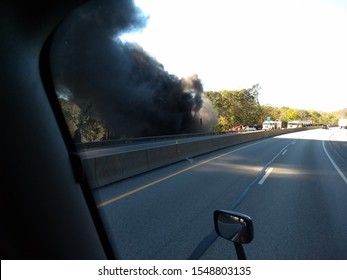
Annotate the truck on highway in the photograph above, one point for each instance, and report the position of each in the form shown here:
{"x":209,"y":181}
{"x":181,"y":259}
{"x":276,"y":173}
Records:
{"x":299,"y":123}
{"x":276,"y":124}
{"x":343,"y":123}
{"x":294,"y":124}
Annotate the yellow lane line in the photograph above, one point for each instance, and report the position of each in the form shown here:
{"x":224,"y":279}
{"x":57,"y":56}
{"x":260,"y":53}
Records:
{"x":167,"y":177}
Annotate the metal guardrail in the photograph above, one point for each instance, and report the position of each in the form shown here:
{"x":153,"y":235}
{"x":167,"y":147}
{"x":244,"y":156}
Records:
{"x":125,"y":141}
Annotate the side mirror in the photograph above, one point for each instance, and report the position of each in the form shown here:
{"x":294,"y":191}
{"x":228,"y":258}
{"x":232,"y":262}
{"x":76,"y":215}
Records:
{"x":233,"y":226}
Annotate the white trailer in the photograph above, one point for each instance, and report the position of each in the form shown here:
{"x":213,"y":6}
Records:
{"x":269,"y":124}
{"x":294,"y":124}
{"x":343,"y":123}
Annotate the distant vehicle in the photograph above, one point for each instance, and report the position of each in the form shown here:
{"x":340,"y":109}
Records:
{"x":258,"y":126}
{"x":250,"y":128}
{"x":306,"y":123}
{"x":294,"y":124}
{"x":276,"y":124}
{"x":238,"y":128}
{"x":343,"y":123}
{"x":299,"y":123}
{"x":325,"y":126}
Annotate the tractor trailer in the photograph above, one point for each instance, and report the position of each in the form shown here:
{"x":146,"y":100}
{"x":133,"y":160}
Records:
{"x":343,"y":123}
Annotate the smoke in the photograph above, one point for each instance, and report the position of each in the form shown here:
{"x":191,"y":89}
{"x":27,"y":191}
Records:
{"x":131,"y":91}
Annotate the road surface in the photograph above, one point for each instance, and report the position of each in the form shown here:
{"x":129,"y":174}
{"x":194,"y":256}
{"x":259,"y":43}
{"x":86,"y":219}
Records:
{"x":293,"y":186}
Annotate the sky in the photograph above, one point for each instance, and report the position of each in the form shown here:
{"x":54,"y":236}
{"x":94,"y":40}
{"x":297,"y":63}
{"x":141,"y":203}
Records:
{"x":296,"y":50}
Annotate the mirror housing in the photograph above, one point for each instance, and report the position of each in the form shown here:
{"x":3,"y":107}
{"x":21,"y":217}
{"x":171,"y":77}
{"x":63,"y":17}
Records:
{"x":233,"y":226}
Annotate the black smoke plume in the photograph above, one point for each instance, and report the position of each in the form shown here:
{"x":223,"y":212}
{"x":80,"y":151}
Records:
{"x":127,"y":87}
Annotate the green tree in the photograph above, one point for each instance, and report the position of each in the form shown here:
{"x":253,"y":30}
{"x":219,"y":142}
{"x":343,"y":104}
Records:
{"x":293,"y":114}
{"x":269,"y":111}
{"x":329,"y":118}
{"x":236,"y":107}
{"x":84,"y":126}
{"x":316,"y":117}
{"x":304,"y":115}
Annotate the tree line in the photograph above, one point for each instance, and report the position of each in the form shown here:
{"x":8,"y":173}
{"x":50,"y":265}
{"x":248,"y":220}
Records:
{"x":233,"y":108}
{"x":242,"y":107}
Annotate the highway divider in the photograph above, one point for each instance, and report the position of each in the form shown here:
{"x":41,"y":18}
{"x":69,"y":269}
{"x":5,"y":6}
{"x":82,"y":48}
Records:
{"x":107,"y":169}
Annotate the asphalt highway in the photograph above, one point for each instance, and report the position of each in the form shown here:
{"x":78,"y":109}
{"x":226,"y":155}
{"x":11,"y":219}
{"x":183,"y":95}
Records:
{"x":293,"y":186}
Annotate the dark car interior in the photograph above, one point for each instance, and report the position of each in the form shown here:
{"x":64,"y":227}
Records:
{"x":46,"y":207}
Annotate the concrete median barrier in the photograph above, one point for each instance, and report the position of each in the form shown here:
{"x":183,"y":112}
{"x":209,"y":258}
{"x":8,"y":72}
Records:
{"x":111,"y":168}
